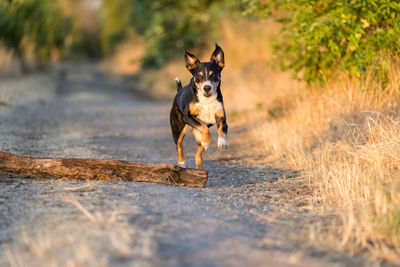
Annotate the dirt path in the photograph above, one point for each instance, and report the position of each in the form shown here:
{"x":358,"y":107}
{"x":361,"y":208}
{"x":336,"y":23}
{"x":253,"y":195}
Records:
{"x":237,"y":220}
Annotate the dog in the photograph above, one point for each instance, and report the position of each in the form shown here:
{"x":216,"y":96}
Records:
{"x":199,"y":105}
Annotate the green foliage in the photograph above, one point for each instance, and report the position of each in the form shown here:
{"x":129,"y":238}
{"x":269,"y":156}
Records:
{"x":116,"y":21}
{"x":167,"y":27}
{"x":38,"y":20}
{"x":321,"y":37}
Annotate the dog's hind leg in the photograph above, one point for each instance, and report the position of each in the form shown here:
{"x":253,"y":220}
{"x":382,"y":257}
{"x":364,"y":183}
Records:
{"x":181,"y":158}
{"x":179,"y":130}
{"x":199,"y":157}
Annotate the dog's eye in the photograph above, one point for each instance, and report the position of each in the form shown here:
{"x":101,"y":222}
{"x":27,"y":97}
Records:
{"x":199,"y":76}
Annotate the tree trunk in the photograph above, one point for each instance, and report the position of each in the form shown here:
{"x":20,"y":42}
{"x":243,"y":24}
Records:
{"x":73,"y":168}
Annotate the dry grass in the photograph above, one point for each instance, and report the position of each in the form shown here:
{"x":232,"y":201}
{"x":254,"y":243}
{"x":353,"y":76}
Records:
{"x":9,"y":65}
{"x":346,"y":138}
{"x":56,"y":244}
{"x":126,"y":59}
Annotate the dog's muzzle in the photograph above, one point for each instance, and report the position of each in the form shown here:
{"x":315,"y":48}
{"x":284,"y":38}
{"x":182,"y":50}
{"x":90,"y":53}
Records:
{"x":207,"y":90}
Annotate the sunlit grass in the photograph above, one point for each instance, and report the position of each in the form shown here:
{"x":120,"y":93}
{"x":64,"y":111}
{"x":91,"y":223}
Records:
{"x":346,"y":139}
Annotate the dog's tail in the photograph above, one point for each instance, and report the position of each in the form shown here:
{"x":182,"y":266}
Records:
{"x":178,"y":84}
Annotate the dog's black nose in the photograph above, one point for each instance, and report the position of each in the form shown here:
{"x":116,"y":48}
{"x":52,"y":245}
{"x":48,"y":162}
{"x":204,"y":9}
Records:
{"x":207,"y":88}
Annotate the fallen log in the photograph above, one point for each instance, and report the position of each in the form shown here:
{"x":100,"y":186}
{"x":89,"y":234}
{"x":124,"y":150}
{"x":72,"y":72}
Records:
{"x":94,"y":169}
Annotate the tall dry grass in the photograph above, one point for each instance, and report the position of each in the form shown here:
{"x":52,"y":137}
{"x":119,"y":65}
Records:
{"x":346,"y":139}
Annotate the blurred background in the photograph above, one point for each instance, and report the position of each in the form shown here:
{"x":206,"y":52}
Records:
{"x":143,"y":41}
{"x":266,"y":43}
{"x":317,"y":81}
{"x":40,"y":31}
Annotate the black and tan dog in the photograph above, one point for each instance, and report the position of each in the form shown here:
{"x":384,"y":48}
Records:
{"x":199,"y":105}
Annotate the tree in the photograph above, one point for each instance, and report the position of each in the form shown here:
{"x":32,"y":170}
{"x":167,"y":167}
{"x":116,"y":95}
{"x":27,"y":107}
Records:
{"x":37,"y":21}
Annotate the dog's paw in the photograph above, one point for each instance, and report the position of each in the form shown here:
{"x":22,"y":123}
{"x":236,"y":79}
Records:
{"x":222,"y":145}
{"x":182,"y":164}
{"x":205,"y":145}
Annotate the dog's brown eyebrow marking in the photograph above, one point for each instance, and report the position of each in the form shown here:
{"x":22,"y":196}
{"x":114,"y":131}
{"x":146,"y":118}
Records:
{"x":210,"y":73}
{"x":200,"y":73}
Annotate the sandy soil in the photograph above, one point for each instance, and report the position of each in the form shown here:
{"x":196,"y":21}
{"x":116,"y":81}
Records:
{"x":244,"y":216}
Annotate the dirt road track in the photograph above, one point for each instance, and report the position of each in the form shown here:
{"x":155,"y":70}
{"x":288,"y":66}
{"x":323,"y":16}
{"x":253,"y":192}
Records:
{"x":234,"y":221}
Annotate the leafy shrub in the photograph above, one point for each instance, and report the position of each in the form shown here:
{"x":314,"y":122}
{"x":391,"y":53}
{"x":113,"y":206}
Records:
{"x":116,"y":22}
{"x":38,"y":20}
{"x":167,"y":27}
{"x":321,"y":37}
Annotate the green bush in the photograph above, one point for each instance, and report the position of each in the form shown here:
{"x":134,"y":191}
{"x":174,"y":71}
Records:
{"x":321,"y":37}
{"x":115,"y":23}
{"x":167,"y":27}
{"x":40,"y":21}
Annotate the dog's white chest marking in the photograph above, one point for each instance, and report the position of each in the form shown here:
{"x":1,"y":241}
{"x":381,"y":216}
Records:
{"x":207,"y":108}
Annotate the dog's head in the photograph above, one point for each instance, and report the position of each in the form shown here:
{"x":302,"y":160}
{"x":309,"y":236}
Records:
{"x":206,"y":75}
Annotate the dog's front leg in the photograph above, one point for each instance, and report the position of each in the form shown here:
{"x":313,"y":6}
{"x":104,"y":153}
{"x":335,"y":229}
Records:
{"x":220,"y":119}
{"x":201,"y":127}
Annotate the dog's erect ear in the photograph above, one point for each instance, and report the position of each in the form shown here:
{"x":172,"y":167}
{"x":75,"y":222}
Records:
{"x":191,"y":61}
{"x":218,"y":57}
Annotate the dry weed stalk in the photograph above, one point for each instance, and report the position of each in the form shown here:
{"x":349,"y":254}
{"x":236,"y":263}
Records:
{"x":97,"y":217}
